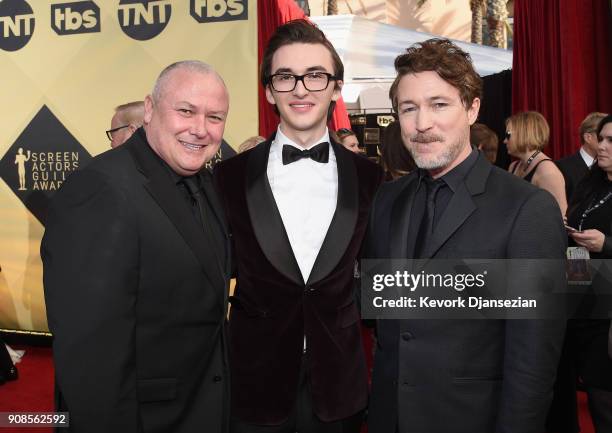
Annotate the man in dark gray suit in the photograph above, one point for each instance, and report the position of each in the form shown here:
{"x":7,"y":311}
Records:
{"x":135,"y":271}
{"x":456,"y":376}
{"x":576,"y":166}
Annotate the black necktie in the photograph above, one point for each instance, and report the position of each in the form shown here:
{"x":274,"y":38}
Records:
{"x":427,"y":223}
{"x":319,"y":153}
{"x":194,"y":187}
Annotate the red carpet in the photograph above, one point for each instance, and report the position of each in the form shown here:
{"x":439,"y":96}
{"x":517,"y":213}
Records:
{"x":33,"y":392}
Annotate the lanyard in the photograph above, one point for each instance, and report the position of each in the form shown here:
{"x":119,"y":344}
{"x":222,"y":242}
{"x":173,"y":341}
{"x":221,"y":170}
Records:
{"x":594,"y":205}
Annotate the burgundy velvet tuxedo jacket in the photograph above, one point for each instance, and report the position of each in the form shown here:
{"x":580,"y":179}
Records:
{"x":272,"y":308}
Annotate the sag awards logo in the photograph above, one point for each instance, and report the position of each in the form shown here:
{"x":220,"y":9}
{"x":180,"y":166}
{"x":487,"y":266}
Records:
{"x":16,"y":24}
{"x":225,"y":151}
{"x":143,"y":20}
{"x":40,"y":160}
{"x":47,"y":170}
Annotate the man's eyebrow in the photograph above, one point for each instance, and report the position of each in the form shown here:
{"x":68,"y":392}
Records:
{"x":309,"y":69}
{"x":185,"y":103}
{"x":430,"y":99}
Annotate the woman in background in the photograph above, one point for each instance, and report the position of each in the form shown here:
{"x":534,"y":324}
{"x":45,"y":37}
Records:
{"x":394,"y":157}
{"x":589,"y":222}
{"x":527,"y":134}
{"x":348,"y":139}
{"x":485,"y":140}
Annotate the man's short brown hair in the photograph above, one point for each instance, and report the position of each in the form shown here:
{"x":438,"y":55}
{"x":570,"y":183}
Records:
{"x":297,"y":32}
{"x":449,"y":61}
{"x":589,"y":124}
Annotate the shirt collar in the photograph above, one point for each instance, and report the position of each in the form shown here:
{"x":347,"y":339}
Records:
{"x":455,"y":177}
{"x":281,"y":139}
{"x":588,"y":159}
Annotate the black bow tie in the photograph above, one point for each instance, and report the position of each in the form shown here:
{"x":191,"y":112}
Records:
{"x":319,"y":153}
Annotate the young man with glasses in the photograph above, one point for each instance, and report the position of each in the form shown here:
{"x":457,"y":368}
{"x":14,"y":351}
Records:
{"x":297,"y":206}
{"x":126,"y":120}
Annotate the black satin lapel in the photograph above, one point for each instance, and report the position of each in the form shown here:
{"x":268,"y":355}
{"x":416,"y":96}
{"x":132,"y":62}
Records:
{"x":161,"y":188}
{"x":343,"y":223}
{"x":458,"y":210}
{"x":400,"y":221}
{"x":265,"y":217}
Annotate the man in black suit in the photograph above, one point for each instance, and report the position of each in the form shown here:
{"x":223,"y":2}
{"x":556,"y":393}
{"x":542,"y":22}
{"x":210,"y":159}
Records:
{"x":452,"y":376}
{"x":135,"y":271}
{"x":297,"y":208}
{"x":575,"y":167}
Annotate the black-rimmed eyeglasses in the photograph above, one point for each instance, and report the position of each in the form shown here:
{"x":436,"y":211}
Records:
{"x":110,"y":132}
{"x":312,"y":81}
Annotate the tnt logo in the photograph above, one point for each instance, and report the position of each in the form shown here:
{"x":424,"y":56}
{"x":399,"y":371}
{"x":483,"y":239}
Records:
{"x":206,"y":11}
{"x":142,"y":19}
{"x":76,"y":17}
{"x":16,"y":24}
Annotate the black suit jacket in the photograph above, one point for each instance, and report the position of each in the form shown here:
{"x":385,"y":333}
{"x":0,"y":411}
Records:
{"x":472,"y":376}
{"x":136,"y":299}
{"x":574,"y":169}
{"x":273,"y":308}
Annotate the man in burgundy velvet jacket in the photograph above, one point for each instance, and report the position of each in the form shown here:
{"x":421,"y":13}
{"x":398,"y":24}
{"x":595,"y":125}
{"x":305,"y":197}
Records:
{"x":297,"y":206}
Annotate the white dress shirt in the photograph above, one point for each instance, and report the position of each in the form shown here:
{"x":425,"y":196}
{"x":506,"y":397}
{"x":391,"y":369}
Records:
{"x":588,"y":159}
{"x":306,"y":194}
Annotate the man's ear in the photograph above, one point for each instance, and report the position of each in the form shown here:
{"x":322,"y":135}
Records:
{"x":473,"y":111}
{"x":148,"y":109}
{"x":337,"y":90}
{"x":269,"y":95}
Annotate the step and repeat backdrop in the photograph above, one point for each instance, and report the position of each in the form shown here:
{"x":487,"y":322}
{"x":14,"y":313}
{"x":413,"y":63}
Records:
{"x":64,"y":66}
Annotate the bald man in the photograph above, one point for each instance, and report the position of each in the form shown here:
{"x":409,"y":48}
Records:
{"x":126,"y":120}
{"x":135,"y":271}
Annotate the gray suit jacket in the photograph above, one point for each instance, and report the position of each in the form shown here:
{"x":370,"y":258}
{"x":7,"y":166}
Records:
{"x":476,"y":376}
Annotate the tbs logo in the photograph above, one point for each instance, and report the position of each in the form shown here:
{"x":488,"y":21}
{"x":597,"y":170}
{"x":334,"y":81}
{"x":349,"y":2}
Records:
{"x":16,"y":24}
{"x":206,"y":11}
{"x":76,"y":17}
{"x":144,"y":19}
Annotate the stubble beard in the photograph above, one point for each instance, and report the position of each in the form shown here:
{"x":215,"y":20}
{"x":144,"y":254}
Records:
{"x":434,"y":161}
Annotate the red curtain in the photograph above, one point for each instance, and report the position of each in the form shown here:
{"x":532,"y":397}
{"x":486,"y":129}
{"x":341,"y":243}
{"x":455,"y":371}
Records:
{"x":562,"y":64}
{"x":270,"y":15}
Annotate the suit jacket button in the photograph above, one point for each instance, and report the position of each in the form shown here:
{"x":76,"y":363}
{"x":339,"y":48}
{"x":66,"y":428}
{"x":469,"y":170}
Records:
{"x":217,"y":378}
{"x":407,"y":336}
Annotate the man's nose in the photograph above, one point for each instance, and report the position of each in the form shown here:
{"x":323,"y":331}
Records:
{"x":300,"y":88}
{"x":423,"y":120}
{"x":199,"y":127}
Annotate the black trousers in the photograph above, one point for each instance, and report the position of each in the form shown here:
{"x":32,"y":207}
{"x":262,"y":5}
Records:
{"x":302,"y":418}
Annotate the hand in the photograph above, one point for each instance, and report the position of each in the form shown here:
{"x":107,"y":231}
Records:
{"x":591,"y":239}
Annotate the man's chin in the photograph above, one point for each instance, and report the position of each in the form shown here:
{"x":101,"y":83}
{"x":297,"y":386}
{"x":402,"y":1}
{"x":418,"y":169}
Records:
{"x":428,"y":164}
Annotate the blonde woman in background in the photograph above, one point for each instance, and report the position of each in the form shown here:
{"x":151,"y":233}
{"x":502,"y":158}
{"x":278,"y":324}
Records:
{"x":527,"y":134}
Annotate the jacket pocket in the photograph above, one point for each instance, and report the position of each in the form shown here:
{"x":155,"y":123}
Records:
{"x":474,"y":379}
{"x":157,"y":389}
